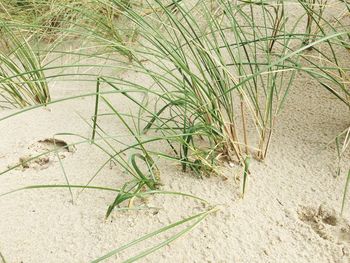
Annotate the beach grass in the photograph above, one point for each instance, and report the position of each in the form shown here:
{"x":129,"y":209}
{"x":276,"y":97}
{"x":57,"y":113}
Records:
{"x":217,"y":82}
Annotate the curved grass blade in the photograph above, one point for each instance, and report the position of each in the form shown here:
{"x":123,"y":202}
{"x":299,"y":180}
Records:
{"x":198,"y":218}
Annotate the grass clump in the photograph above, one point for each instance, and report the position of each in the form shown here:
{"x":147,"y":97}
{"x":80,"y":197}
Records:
{"x":45,"y":17}
{"x":22,"y":79}
{"x":216,"y":82}
{"x":60,"y":21}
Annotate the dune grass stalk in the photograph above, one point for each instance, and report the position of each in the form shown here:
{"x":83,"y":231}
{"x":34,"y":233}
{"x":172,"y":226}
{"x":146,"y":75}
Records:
{"x":245,"y":174}
{"x":2,"y":258}
{"x":314,"y":10}
{"x":347,"y":182}
{"x":342,"y":142}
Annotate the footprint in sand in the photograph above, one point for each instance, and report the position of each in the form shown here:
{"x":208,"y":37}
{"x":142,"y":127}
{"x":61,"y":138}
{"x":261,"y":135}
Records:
{"x":326,"y":223}
{"x":46,"y":149}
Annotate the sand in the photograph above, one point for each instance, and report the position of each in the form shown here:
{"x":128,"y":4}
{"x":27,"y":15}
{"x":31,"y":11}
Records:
{"x":289,"y":212}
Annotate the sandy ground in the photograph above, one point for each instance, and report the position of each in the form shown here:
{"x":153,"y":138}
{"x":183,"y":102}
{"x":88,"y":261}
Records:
{"x":289,"y":213}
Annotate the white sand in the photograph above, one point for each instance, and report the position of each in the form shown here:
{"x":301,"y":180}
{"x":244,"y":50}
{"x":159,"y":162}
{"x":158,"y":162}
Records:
{"x":287,"y":214}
